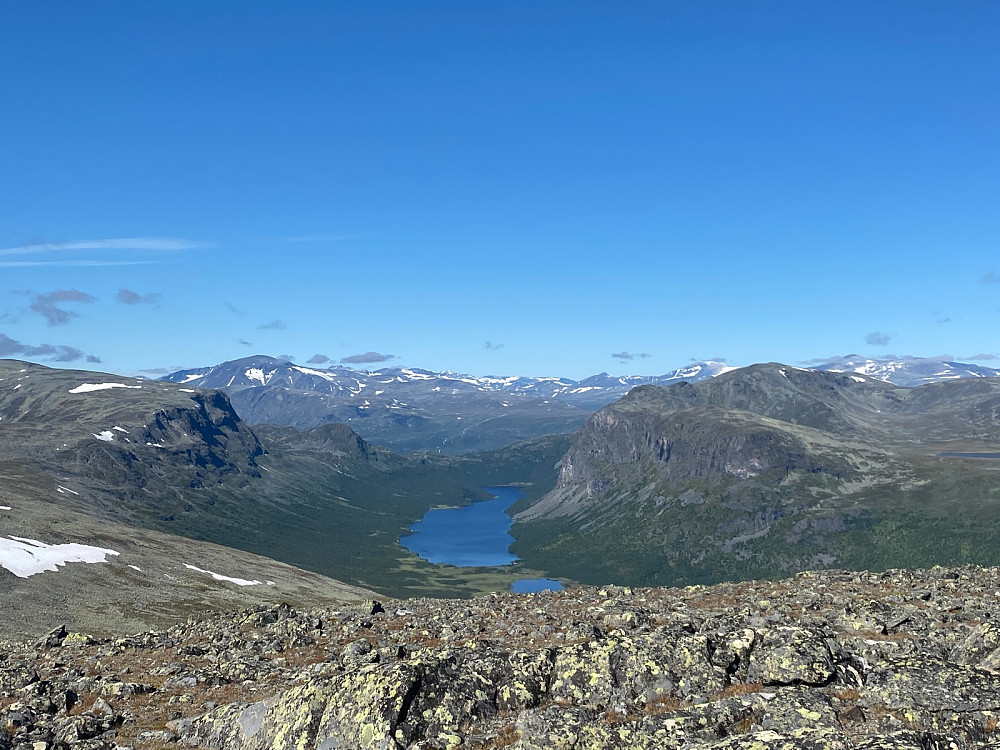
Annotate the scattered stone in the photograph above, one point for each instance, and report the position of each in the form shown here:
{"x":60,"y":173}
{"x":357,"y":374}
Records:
{"x":901,"y":659}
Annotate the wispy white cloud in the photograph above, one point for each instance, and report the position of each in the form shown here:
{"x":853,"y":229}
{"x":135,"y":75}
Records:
{"x":114,"y":243}
{"x":72,"y":263}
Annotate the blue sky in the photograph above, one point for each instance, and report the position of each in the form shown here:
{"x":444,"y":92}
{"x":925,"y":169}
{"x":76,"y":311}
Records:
{"x":511,"y":187}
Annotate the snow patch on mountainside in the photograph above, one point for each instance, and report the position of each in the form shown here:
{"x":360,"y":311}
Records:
{"x":220,"y":577}
{"x":90,"y":387}
{"x":27,"y":557}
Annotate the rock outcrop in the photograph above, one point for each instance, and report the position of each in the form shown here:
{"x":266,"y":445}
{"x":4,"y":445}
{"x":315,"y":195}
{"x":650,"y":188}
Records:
{"x":823,"y":660}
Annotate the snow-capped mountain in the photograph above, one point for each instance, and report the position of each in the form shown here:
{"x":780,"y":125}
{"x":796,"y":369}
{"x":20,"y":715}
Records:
{"x":263,"y":371}
{"x":413,"y":409}
{"x":908,"y":371}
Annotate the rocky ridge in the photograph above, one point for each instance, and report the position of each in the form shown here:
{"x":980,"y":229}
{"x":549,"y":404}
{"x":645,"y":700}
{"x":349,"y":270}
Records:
{"x":903,"y":659}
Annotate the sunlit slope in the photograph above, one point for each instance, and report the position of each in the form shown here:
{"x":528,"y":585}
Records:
{"x":768,"y":470}
{"x":170,"y":458}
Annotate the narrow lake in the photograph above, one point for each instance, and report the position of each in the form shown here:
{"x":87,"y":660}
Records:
{"x":471,"y":536}
{"x":476,"y":535}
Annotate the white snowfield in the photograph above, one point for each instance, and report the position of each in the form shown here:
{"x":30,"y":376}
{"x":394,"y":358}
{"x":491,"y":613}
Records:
{"x":88,"y":387}
{"x":107,"y":436}
{"x":26,"y":557}
{"x":5,"y":507}
{"x":218,"y":577}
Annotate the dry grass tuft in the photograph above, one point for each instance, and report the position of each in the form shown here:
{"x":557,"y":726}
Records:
{"x":847,"y":694}
{"x":507,"y":736}
{"x":662,"y":703}
{"x":739,"y":688}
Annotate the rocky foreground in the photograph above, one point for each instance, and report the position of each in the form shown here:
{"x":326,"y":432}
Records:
{"x":824,"y":660}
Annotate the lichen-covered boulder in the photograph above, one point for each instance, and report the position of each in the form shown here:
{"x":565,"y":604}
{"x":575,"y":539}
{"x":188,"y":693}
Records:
{"x":732,"y":653}
{"x":980,"y":648}
{"x":582,"y":673}
{"x":931,"y":683}
{"x":910,"y":740}
{"x":556,"y":728}
{"x":693,"y":670}
{"x":791,"y":656}
{"x":361,"y":709}
{"x":800,"y":739}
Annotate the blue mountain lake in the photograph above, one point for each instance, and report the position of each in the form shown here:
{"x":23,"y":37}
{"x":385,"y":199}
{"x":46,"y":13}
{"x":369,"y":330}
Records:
{"x":476,"y":535}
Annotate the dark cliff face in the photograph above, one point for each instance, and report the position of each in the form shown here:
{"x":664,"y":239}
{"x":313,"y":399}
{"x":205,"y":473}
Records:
{"x":701,"y":443}
{"x":66,"y":417}
{"x":145,"y":451}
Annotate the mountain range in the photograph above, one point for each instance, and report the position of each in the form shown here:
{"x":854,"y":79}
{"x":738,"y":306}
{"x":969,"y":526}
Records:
{"x":411,"y":409}
{"x":158,"y":495}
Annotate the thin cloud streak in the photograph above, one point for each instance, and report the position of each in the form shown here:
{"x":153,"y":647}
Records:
{"x":117,"y":243}
{"x":73,"y":263}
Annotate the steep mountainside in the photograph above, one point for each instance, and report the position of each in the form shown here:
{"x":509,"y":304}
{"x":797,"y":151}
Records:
{"x":88,"y":470}
{"x":61,"y":564}
{"x":103,"y":452}
{"x":768,"y":470}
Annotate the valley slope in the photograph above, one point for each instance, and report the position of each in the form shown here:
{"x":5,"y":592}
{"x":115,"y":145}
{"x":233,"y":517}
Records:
{"x":163,"y":473}
{"x":768,"y":470}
